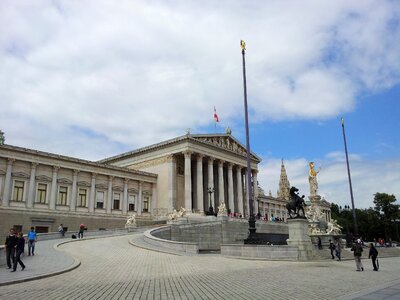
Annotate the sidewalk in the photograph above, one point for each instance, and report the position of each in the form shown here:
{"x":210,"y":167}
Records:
{"x":48,"y":261}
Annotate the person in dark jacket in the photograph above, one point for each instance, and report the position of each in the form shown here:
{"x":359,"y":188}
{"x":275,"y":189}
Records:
{"x":373,"y":254}
{"x":357,"y":249}
{"x":20,"y":249}
{"x":11,"y":242}
{"x":332,"y":247}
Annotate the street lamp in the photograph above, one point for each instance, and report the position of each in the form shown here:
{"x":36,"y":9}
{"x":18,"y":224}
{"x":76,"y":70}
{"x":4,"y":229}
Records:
{"x":210,"y":208}
{"x":252,"y":221}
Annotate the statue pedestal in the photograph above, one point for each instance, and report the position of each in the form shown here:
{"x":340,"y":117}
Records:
{"x":299,"y":237}
{"x":222,"y":217}
{"x":314,"y":199}
{"x":130,"y":227}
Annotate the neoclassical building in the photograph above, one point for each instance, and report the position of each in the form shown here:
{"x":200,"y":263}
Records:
{"x":194,"y":171}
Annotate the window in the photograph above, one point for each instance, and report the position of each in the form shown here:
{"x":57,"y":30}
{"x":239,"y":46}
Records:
{"x":62,"y":195}
{"x":42,"y":191}
{"x":100,"y":200}
{"x":82,"y":197}
{"x":131,"y":202}
{"x":116,"y":201}
{"x":18,"y":190}
{"x":146,"y":201}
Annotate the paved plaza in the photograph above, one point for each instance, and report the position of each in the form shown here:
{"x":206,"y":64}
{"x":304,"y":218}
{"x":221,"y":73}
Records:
{"x":113,"y":268}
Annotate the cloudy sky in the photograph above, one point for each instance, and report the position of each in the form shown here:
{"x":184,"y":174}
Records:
{"x":92,"y":79}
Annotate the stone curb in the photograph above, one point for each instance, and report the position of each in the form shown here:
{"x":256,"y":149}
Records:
{"x":133,"y":243}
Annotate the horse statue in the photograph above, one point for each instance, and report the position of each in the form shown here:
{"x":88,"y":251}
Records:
{"x":296,"y":204}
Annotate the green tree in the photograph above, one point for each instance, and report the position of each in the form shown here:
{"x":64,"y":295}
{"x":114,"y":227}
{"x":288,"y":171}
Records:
{"x":388,"y":213}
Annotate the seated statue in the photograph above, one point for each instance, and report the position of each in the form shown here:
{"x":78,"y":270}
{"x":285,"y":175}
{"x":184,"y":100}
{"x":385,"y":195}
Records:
{"x":334,"y":227}
{"x":131,"y":220}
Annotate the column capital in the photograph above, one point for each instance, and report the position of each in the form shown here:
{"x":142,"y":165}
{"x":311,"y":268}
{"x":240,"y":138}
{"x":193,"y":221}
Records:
{"x":141,"y":183}
{"x":34,"y":165}
{"x":239,"y":168}
{"x":171,"y":158}
{"x":94,"y":175}
{"x":110,"y":177}
{"x":11,"y":161}
{"x":187,"y":154}
{"x":200,"y":156}
{"x":126,"y":180}
{"x":76,"y":172}
{"x":56,"y":168}
{"x":210,"y":160}
{"x":220,"y":163}
{"x":230,"y":165}
{"x":254,"y":172}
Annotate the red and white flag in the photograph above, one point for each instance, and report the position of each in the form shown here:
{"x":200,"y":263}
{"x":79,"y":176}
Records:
{"x":215,"y":115}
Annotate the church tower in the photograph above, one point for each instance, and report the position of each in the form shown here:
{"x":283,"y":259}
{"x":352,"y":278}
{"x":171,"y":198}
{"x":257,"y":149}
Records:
{"x":284,"y":185}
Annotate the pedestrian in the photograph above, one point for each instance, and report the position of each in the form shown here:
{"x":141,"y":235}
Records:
{"x":338,"y":249}
{"x":332,"y":247}
{"x":357,"y":249}
{"x":19,"y":249}
{"x":11,"y":242}
{"x":319,"y":243}
{"x":81,"y":229}
{"x":61,"y":230}
{"x":32,"y":237}
{"x":373,"y":254}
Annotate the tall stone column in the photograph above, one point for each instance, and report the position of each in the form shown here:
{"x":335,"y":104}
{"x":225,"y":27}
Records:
{"x":230,"y":189}
{"x":255,"y":191}
{"x":109,"y":195}
{"x":153,"y":203}
{"x":221,"y":191}
{"x":239,"y":179}
{"x":210,"y":186}
{"x":125,"y":198}
{"x":200,"y":196}
{"x":72,"y":206}
{"x":7,"y":183}
{"x":139,"y":209}
{"x":53,"y":192}
{"x":188,"y":180}
{"x":171,"y":183}
{"x":246,"y":202}
{"x":32,"y":181}
{"x":92,"y":193}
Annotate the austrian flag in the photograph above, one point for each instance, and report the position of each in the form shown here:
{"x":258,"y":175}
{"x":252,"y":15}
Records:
{"x":215,"y":115}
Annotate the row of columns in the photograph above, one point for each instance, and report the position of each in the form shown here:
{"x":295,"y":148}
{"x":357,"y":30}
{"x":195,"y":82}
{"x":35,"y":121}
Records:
{"x":74,"y":191}
{"x":210,"y":184}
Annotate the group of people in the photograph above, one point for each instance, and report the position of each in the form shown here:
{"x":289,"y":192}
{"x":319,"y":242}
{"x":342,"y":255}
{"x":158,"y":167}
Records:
{"x":15,"y":245}
{"x":357,"y":249}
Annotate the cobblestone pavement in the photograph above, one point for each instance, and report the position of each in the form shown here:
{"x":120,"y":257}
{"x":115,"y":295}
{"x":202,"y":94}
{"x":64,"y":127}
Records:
{"x":111,"y":268}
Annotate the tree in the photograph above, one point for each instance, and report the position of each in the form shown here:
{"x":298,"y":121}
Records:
{"x":388,"y":213}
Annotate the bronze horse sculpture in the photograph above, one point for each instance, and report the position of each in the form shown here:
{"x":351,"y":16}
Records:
{"x":296,"y":204}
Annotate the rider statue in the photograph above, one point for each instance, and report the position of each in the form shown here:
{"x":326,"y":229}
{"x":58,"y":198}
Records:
{"x":312,"y":179}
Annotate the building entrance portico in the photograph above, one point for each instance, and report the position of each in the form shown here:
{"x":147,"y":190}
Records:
{"x":194,"y":171}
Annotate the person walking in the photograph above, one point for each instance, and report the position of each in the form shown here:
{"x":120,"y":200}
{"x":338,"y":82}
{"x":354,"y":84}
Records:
{"x":373,"y":254}
{"x":338,"y":249}
{"x":19,"y":249}
{"x":32,"y":237}
{"x":81,"y":229}
{"x":332,"y":248}
{"x":11,"y":242}
{"x":61,"y":230}
{"x":357,"y":249}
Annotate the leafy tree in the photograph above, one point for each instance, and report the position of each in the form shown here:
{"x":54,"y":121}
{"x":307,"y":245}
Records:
{"x":388,"y":213}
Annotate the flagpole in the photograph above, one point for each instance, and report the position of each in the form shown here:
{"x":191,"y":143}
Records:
{"x":252,"y":221}
{"x":351,"y":188}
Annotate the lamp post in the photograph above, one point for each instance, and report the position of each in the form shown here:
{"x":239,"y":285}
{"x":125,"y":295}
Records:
{"x":210,"y":208}
{"x":252,"y":221}
{"x":351,"y":188}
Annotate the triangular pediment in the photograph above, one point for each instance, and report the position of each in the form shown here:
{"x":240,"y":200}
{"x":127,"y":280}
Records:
{"x":20,"y":175}
{"x":117,"y":188}
{"x":101,"y":186}
{"x":43,"y":178}
{"x":226,"y":142}
{"x":83,"y":183}
{"x":64,"y":181}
